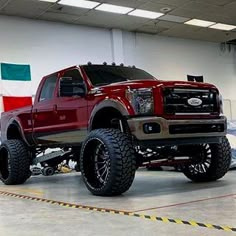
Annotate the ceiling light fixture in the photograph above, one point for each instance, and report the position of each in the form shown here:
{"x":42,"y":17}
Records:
{"x":114,"y":8}
{"x":79,"y":3}
{"x":48,"y":0}
{"x":226,"y":27}
{"x":200,"y":23}
{"x":146,"y":14}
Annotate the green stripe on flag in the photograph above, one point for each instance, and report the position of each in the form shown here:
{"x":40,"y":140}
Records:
{"x":15,"y":72}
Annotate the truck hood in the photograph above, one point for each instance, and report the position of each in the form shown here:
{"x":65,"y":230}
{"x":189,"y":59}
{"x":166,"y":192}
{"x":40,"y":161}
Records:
{"x":156,"y":84}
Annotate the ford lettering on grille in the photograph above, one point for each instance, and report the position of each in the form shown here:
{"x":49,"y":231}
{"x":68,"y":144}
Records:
{"x":194,"y":102}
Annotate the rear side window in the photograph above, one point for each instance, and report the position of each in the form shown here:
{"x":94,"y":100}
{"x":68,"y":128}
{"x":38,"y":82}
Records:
{"x":75,"y":75}
{"x":48,"y":88}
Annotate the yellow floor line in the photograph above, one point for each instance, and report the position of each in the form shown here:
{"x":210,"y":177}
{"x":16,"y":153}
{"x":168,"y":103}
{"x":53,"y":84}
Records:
{"x":120,"y":212}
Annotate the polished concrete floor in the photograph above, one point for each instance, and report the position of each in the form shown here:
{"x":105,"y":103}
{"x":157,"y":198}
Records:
{"x":164,"y":194}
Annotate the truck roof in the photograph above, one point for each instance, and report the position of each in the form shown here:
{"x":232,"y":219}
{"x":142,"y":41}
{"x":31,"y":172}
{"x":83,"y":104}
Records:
{"x":89,"y":64}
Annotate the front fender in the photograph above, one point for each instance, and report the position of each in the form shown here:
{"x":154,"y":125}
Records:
{"x":120,"y":105}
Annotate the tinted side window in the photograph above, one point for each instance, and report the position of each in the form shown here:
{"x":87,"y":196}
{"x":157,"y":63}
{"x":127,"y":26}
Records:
{"x":75,"y":74}
{"x":48,"y":88}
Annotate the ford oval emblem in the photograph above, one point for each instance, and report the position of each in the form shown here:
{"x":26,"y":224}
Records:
{"x":194,"y":102}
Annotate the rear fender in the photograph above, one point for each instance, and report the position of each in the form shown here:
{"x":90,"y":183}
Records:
{"x":16,"y":122}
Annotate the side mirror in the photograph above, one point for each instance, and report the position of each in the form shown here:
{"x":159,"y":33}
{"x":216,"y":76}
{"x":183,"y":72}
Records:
{"x":69,"y":88}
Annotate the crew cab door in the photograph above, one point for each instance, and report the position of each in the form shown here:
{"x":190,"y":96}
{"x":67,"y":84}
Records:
{"x":71,"y":109}
{"x":43,"y":113}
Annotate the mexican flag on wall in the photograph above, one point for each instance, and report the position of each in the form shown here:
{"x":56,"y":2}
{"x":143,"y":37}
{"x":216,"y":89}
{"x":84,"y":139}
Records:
{"x":15,"y":86}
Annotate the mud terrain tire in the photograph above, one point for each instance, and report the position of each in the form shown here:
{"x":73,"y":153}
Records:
{"x":213,"y":164}
{"x":107,"y":162}
{"x":14,"y":162}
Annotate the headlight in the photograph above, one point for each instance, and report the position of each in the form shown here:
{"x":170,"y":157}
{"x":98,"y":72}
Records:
{"x":141,"y":100}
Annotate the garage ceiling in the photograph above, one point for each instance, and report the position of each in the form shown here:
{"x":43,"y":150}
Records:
{"x":171,"y":24}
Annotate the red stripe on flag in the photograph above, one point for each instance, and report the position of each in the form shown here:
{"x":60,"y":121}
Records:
{"x":11,"y":103}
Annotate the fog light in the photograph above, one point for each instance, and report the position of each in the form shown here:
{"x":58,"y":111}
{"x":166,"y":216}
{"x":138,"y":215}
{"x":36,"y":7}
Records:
{"x":151,"y":128}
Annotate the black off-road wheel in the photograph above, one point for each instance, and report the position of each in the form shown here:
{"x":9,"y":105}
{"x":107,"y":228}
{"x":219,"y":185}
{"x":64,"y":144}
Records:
{"x":211,"y":162}
{"x":14,"y":162}
{"x":107,"y":162}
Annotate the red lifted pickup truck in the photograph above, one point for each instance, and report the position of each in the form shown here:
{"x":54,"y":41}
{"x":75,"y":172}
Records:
{"x":111,"y":120}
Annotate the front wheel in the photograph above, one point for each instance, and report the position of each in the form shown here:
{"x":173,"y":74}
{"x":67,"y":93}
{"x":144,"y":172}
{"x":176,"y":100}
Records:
{"x":107,"y":162}
{"x":211,"y":162}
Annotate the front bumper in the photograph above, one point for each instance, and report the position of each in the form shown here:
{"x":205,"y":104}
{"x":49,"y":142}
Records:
{"x":175,"y":129}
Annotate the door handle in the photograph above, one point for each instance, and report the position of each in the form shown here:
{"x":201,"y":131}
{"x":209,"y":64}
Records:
{"x":55,"y":108}
{"x":35,"y":113}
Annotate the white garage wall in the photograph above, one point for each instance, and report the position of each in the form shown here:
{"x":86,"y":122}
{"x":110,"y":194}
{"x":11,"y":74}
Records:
{"x":49,"y":46}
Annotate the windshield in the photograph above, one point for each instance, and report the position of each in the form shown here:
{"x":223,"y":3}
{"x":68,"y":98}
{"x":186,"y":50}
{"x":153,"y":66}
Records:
{"x":103,"y":75}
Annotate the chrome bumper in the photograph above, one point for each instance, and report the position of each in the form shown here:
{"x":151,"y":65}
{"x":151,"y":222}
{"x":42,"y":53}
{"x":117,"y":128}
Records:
{"x":136,"y":127}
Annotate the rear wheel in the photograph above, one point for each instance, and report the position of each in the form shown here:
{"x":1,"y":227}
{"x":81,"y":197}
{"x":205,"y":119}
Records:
{"x":107,"y":162}
{"x":14,"y":162}
{"x":211,"y":162}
